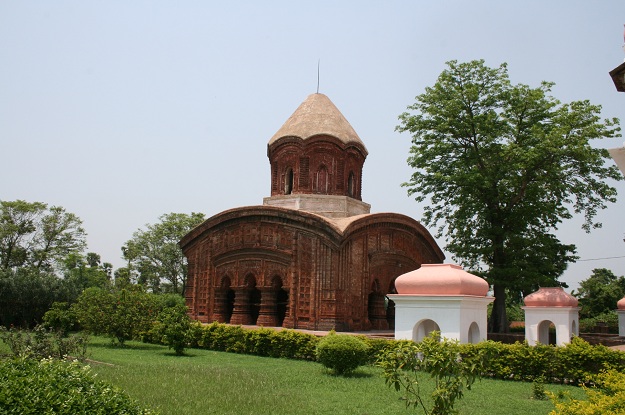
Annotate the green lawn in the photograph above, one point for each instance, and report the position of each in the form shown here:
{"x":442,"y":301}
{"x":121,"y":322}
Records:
{"x":206,"y":382}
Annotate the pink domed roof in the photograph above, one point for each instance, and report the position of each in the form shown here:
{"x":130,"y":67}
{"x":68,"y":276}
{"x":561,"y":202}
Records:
{"x":550,"y":297}
{"x":441,"y":279}
{"x":621,"y":304}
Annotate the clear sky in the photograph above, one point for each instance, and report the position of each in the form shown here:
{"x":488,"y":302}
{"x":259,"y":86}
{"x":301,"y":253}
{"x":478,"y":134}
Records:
{"x":121,"y":111}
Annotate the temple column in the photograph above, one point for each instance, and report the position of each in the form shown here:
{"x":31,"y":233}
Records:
{"x":268,"y":315}
{"x":242,"y":313}
{"x":220,"y":312}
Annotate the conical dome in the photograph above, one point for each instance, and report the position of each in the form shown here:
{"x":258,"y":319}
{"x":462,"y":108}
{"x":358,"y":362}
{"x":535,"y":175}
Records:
{"x":441,"y":279}
{"x":550,"y":297}
{"x":317,"y":115}
{"x":620,"y":305}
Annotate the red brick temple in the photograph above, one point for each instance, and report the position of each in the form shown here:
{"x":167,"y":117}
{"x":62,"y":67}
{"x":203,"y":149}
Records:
{"x":312,"y":256}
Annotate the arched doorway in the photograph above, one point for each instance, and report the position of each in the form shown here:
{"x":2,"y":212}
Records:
{"x":545,"y":335}
{"x":390,"y":307}
{"x":224,"y":301}
{"x":423,"y":328}
{"x":376,"y":307}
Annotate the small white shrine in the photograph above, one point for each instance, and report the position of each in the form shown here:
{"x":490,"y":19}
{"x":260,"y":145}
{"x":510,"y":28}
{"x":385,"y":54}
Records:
{"x":620,"y":311}
{"x":444,"y":298}
{"x":547,"y":307}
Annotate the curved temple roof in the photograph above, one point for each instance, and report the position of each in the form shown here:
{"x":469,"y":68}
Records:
{"x":317,"y":115}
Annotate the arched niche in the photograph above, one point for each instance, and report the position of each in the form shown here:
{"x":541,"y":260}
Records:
{"x":423,"y":328}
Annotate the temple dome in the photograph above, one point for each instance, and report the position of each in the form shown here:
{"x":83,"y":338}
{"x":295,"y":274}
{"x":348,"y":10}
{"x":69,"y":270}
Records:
{"x":317,"y":115}
{"x":550,"y":297}
{"x":441,"y":279}
{"x":620,"y":305}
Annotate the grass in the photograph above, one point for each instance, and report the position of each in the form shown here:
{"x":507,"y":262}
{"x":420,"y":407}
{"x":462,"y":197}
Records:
{"x":210,"y":382}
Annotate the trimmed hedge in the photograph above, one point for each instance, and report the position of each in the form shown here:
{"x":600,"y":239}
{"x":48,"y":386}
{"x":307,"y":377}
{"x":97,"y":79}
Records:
{"x":261,"y":342}
{"x":573,"y":364}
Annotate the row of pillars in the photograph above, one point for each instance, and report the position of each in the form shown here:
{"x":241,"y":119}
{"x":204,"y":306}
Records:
{"x":265,"y":306}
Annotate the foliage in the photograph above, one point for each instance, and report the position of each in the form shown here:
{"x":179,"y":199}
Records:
{"x":173,"y":326}
{"x":342,"y":353}
{"x":452,"y":373}
{"x":599,"y":293}
{"x":35,"y":235}
{"x":538,"y":388}
{"x":42,"y":344}
{"x":609,"y":319}
{"x":60,"y":317}
{"x":572,"y":364}
{"x":503,"y":165}
{"x":28,"y":386}
{"x":87,"y":271}
{"x":262,"y":342}
{"x":121,"y":314}
{"x":607,"y":397}
{"x":27,"y":293}
{"x":154,"y":252}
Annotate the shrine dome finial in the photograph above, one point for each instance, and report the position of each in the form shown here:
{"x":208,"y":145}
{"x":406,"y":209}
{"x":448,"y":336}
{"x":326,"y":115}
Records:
{"x":315,"y":116}
{"x":550,"y":297}
{"x":441,"y":280}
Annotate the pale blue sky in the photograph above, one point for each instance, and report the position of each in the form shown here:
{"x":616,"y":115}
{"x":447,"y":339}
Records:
{"x":121,"y":111}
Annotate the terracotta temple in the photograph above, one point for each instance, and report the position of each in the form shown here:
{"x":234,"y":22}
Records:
{"x":312,"y":256}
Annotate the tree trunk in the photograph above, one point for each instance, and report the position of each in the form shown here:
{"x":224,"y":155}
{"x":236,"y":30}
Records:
{"x":498,"y":322}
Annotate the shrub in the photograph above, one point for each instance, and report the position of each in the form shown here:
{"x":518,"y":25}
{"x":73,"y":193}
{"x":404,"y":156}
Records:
{"x":121,"y":314}
{"x":442,"y":361}
{"x":342,"y":353}
{"x":41,"y":343}
{"x":60,"y":317}
{"x":29,"y":386}
{"x":173,"y":327}
{"x":294,"y":345}
{"x":606,"y":398}
{"x":609,"y":319}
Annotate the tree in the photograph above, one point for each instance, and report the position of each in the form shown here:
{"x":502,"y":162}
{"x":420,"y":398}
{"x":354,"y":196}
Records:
{"x":599,"y":293}
{"x":503,"y":165}
{"x":33,"y":235}
{"x":155,"y":253}
{"x":87,"y":271}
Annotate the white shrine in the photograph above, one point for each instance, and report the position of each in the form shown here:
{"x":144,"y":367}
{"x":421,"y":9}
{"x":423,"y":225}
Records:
{"x":444,"y":298}
{"x":551,"y":307}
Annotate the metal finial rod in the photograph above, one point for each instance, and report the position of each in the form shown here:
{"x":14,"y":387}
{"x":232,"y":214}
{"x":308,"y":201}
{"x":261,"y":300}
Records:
{"x":318,"y":62}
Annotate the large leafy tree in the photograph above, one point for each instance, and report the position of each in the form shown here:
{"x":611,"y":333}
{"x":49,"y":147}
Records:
{"x":600,"y":292}
{"x":35,"y":235}
{"x":155,"y":255}
{"x":502,"y":166}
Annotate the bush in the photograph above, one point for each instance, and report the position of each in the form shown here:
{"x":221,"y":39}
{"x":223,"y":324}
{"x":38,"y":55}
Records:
{"x":342,"y":353}
{"x":173,"y":327}
{"x":606,"y":398}
{"x":443,"y":361}
{"x":61,"y":318}
{"x":41,"y":343}
{"x":29,"y":386}
{"x":609,"y":319}
{"x":121,"y":314}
